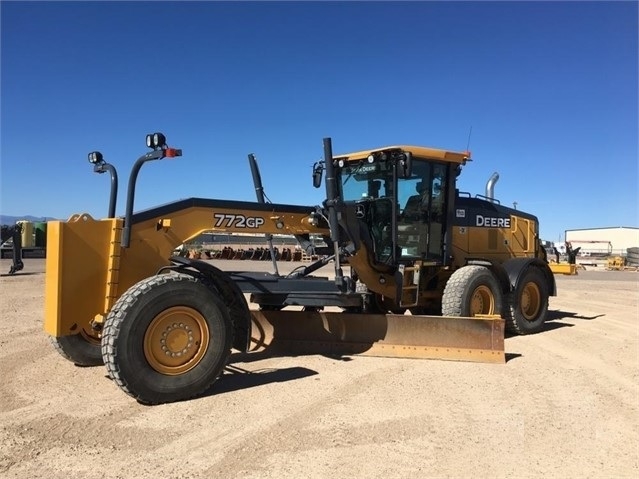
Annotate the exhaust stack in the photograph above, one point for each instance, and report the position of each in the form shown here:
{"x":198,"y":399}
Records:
{"x":490,"y":186}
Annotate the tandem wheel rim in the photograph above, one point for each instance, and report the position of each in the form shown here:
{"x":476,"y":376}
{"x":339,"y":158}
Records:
{"x":530,"y":301}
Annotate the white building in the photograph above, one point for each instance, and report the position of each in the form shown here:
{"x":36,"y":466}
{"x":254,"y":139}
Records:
{"x":613,"y":240}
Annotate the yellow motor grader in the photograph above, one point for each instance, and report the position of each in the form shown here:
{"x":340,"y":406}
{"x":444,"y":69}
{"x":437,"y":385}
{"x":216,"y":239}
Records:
{"x":420,"y":270}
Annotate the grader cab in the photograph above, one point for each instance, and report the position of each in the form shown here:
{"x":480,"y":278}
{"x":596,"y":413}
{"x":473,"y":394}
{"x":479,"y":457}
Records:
{"x":419,"y":270}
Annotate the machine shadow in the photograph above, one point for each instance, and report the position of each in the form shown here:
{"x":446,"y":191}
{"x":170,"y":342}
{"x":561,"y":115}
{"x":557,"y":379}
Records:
{"x":553,"y":322}
{"x":235,"y":378}
{"x":269,"y":352}
{"x":3,"y":275}
{"x":559,"y":314}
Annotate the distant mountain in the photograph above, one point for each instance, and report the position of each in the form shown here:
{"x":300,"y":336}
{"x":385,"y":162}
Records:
{"x":11,"y":220}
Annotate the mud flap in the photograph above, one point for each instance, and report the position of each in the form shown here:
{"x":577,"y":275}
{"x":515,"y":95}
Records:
{"x":477,"y":339}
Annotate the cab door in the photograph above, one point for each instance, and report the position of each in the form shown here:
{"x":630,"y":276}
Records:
{"x":421,"y":221}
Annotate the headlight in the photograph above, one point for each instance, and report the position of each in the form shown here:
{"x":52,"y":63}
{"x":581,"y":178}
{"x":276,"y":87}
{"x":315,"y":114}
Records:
{"x":370,"y":158}
{"x":158,"y":140}
{"x":95,"y":157}
{"x":155,"y":140}
{"x":341,"y":163}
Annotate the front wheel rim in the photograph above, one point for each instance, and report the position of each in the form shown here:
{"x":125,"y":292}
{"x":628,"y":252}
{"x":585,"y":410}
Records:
{"x":176,"y":340}
{"x":482,"y":301}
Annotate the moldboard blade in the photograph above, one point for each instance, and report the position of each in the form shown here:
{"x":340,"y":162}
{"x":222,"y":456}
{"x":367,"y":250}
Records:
{"x":477,"y":339}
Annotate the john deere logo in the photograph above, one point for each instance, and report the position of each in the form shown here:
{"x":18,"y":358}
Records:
{"x":492,"y":222}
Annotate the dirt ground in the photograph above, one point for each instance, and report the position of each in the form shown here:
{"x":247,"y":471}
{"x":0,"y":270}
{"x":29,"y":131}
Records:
{"x":564,"y":405}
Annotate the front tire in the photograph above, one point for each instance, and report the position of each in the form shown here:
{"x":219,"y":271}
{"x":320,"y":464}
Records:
{"x":527,"y":306}
{"x":472,"y":290}
{"x":167,"y":339}
{"x":81,"y":349}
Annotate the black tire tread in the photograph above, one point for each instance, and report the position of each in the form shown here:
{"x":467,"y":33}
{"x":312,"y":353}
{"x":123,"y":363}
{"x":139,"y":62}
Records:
{"x":72,"y":348}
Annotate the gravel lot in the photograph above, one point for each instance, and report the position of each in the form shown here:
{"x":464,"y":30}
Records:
{"x":564,"y":405}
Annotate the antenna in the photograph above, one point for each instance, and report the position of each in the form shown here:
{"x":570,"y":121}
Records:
{"x":469,"y":133}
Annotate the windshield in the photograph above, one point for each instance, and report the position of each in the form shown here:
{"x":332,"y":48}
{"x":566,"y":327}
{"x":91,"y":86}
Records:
{"x":366,"y":180}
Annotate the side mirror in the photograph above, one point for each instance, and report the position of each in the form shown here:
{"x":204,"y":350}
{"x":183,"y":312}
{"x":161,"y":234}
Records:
{"x":405,"y":165}
{"x":318,"y":170}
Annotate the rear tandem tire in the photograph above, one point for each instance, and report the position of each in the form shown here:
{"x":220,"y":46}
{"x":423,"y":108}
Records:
{"x":472,"y":290}
{"x":526,"y":307}
{"x":81,"y":350}
{"x":167,"y":339}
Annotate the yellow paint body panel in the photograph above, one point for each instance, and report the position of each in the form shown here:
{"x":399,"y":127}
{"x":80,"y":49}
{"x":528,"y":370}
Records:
{"x":495,"y":244}
{"x":79,"y":274}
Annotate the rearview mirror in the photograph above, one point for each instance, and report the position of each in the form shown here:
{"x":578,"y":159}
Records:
{"x":318,"y":170}
{"x":405,"y":165}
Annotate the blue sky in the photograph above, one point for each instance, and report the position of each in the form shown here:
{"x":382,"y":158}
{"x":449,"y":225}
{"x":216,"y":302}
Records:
{"x":550,"y":90}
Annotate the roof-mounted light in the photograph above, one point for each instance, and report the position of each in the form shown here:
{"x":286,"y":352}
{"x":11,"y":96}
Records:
{"x":95,"y":157}
{"x":156,"y":141}
{"x":370,"y":159}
